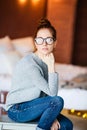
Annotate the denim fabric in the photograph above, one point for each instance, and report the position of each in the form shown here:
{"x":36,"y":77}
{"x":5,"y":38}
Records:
{"x":43,"y":110}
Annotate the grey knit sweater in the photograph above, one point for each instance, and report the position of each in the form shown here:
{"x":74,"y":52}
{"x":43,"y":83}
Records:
{"x":30,"y":80}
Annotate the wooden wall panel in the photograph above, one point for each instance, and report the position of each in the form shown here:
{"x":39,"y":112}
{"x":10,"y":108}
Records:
{"x":19,"y":20}
{"x":62,"y":15}
{"x":80,"y":38}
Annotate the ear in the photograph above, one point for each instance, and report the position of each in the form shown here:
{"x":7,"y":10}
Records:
{"x":55,"y":44}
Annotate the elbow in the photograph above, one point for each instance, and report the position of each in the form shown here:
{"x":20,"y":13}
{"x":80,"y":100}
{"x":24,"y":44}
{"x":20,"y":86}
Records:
{"x":52,"y":94}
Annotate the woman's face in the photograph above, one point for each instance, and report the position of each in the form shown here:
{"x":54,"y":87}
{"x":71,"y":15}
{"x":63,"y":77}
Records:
{"x":44,"y":41}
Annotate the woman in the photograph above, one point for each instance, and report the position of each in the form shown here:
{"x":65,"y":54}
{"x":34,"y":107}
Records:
{"x":35,"y":85}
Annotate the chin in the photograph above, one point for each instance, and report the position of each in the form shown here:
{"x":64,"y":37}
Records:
{"x":46,"y":53}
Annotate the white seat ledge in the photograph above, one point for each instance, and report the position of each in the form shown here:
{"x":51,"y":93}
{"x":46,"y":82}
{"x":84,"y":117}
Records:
{"x":7,"y":124}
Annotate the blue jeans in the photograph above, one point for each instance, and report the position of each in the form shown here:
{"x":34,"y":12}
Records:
{"x":44,"y":110}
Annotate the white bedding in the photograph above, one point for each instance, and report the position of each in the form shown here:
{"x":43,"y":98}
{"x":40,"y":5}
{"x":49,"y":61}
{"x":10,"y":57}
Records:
{"x":69,"y":71}
{"x":74,"y":98}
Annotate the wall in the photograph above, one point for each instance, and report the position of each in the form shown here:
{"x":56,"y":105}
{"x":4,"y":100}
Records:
{"x":62,"y":14}
{"x":68,"y":17}
{"x":80,"y":36}
{"x":19,"y":20}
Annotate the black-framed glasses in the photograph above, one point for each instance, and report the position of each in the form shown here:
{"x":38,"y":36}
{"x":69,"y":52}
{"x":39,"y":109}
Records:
{"x":48,"y":40}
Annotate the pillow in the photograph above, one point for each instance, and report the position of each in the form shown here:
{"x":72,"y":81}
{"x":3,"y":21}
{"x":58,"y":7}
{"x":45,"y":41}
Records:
{"x":5,"y":44}
{"x":24,"y":45}
{"x":8,"y":61}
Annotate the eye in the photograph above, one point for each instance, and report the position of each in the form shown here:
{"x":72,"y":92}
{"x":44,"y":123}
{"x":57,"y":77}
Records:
{"x":50,"y":40}
{"x":39,"y":40}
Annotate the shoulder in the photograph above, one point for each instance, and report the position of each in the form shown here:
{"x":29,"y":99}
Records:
{"x":29,"y":64}
{"x":31,"y":60}
{"x":25,"y":60}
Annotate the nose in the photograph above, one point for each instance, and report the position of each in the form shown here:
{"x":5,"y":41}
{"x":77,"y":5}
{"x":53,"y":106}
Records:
{"x":44,"y":42}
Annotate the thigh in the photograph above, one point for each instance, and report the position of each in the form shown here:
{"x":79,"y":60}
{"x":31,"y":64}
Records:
{"x":38,"y":102}
{"x":65,"y":123}
{"x":30,"y":110}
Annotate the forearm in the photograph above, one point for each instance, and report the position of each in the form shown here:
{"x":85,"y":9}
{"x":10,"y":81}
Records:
{"x":53,"y":83}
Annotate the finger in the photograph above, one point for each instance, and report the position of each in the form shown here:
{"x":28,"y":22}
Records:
{"x":58,"y":125}
{"x":56,"y":128}
{"x":52,"y":128}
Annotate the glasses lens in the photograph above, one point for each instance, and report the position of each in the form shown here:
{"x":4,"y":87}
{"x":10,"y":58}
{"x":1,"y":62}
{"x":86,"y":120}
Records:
{"x":39,"y":40}
{"x":49,"y":40}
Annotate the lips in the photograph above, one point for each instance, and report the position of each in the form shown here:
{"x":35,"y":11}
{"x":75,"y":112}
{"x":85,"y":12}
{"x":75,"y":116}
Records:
{"x":44,"y":48}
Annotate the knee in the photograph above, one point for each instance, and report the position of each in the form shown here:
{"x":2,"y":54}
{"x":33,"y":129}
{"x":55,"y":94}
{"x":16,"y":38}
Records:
{"x":58,"y":101}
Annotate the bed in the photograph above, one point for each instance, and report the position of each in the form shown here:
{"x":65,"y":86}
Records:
{"x":73,"y":86}
{"x":72,"y":79}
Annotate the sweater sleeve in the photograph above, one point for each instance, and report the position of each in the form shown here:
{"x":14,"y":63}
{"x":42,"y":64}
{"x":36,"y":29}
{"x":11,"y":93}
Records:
{"x":50,"y":87}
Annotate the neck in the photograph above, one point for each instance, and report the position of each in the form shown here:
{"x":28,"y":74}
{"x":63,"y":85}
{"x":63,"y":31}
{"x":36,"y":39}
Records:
{"x":39,"y":54}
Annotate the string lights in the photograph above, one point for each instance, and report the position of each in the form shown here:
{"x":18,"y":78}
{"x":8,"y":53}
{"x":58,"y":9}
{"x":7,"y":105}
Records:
{"x":79,"y":113}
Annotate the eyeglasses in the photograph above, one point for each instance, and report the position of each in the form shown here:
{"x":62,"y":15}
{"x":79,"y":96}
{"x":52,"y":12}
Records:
{"x":48,"y":40}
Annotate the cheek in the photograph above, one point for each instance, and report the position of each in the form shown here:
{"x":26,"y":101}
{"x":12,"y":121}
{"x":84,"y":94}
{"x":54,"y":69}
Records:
{"x":51,"y":48}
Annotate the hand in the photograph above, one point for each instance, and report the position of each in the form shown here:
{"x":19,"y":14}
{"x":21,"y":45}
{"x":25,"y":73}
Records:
{"x":55,"y":125}
{"x":50,"y":61}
